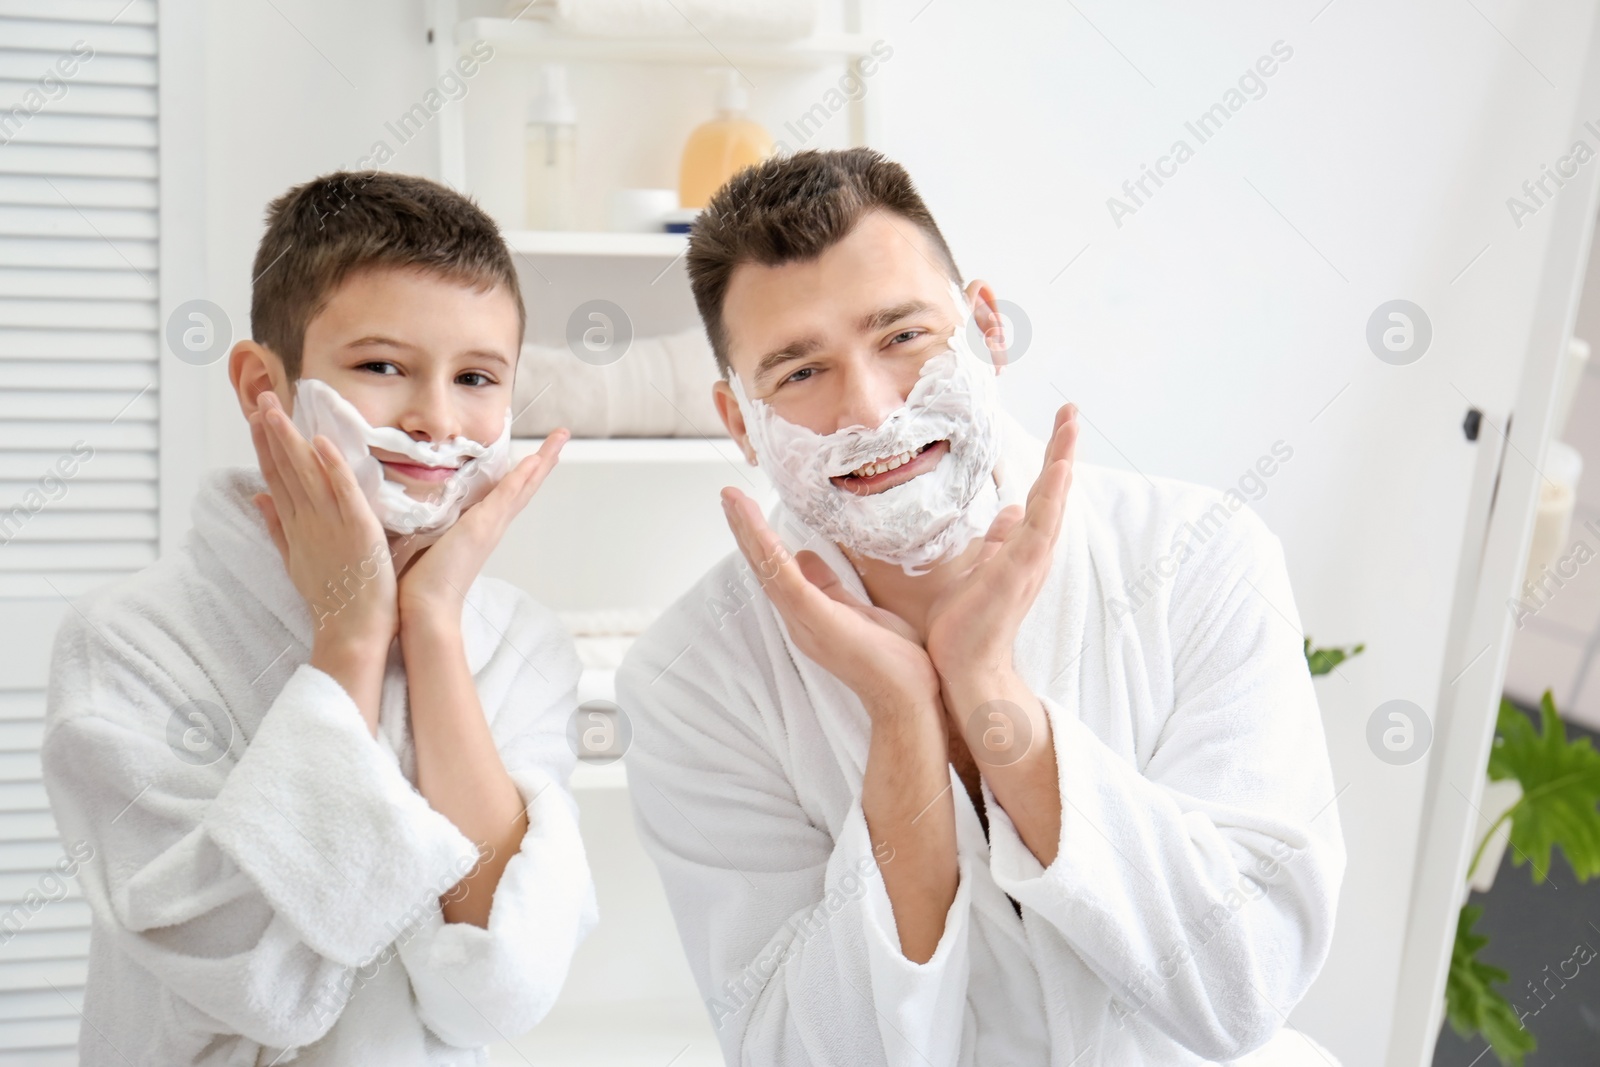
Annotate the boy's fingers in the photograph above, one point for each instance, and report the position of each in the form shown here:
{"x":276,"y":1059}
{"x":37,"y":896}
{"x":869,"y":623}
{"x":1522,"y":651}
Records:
{"x":284,"y":439}
{"x":269,"y":513}
{"x":346,"y":491}
{"x":264,"y":456}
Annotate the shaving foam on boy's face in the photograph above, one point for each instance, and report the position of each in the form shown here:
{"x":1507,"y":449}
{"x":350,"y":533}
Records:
{"x":318,"y":408}
{"x":919,"y":522}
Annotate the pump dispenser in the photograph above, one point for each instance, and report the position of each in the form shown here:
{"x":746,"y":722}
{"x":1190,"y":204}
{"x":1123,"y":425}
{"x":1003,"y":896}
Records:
{"x":720,"y":148}
{"x":552,"y":156}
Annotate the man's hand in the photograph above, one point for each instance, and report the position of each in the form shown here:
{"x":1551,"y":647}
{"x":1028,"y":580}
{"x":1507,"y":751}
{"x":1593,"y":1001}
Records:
{"x":334,"y":549}
{"x":971,"y":628}
{"x":873,"y":651}
{"x":973,"y":624}
{"x":905,"y":788}
{"x":438,"y":577}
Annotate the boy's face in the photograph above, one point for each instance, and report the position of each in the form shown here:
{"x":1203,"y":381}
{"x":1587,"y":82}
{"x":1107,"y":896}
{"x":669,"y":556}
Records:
{"x":430,"y":355}
{"x":840,"y":340}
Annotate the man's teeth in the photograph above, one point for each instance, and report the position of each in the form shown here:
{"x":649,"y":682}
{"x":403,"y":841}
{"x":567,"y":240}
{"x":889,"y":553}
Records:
{"x":883,"y":465}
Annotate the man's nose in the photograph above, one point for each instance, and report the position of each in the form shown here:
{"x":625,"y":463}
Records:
{"x":870,"y":395}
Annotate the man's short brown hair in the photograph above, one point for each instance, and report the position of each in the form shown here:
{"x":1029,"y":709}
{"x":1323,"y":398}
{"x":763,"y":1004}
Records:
{"x":790,"y":209}
{"x":321,"y":232}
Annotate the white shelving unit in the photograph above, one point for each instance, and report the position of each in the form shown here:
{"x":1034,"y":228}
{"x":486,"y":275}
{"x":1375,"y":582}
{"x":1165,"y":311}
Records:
{"x":534,"y":39}
{"x":602,"y":243}
{"x":630,"y":997}
{"x":633,"y":450}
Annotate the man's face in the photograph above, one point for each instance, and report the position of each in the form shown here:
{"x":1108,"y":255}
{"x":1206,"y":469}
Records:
{"x":432,"y":356}
{"x":839,"y":340}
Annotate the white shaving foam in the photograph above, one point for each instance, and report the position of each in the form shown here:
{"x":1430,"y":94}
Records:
{"x":915,"y":524}
{"x":318,"y":408}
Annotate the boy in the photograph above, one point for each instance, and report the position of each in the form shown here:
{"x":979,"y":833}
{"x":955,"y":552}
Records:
{"x":988,"y":774}
{"x":320,"y":761}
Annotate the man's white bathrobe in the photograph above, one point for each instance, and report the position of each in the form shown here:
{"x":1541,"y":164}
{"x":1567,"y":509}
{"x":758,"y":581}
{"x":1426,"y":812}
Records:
{"x":1192,"y":901}
{"x":285,"y":895}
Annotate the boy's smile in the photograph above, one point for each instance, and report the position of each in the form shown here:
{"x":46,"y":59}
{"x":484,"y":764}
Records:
{"x":403,"y":470}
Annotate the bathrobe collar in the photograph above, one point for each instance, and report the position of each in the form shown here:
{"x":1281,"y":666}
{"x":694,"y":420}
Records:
{"x":229,"y":528}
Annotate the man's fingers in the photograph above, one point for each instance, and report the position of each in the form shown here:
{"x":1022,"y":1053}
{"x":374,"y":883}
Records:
{"x":825,"y":579}
{"x":767,"y":555}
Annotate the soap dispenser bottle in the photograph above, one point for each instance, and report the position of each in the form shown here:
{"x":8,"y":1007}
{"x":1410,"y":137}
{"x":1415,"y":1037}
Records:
{"x":720,"y":148}
{"x":552,"y":156}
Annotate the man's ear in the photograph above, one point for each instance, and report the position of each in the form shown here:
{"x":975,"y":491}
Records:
{"x":728,"y":409}
{"x":986,"y":309}
{"x":255,"y":369}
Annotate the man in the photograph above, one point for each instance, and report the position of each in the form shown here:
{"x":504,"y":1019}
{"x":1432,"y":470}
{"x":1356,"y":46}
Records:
{"x":991,"y":772}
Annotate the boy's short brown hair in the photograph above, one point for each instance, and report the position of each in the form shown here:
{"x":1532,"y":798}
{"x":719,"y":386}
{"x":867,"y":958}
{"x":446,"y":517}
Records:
{"x":793,"y":208}
{"x":321,"y":232}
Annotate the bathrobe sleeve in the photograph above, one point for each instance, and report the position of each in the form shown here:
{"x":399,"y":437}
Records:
{"x":786,"y":925}
{"x":1201,"y":889}
{"x":477,"y":985}
{"x":250,"y":880}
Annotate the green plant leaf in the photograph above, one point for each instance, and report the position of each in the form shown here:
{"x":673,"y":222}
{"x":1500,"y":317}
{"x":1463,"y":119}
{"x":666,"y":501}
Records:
{"x":1323,"y":660}
{"x":1472,"y":1003}
{"x":1560,"y":790}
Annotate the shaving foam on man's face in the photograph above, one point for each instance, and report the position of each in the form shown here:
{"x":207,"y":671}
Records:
{"x":950,"y":414}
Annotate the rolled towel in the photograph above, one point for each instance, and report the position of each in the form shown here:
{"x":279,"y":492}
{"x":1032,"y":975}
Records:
{"x":773,"y":20}
{"x":661,"y":387}
{"x":602,"y":636}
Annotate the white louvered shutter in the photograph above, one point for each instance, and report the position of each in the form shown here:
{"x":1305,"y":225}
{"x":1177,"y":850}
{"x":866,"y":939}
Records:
{"x":79,"y":342}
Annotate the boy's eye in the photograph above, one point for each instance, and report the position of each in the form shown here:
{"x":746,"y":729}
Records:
{"x":379,"y":364}
{"x":482,"y":378}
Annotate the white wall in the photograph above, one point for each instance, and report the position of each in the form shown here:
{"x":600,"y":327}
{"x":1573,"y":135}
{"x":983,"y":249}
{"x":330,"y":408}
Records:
{"x":1205,"y":328}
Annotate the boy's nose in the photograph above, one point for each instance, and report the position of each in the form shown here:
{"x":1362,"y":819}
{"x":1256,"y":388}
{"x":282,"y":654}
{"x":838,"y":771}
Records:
{"x":430,"y":417}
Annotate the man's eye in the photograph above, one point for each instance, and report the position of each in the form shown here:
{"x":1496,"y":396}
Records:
{"x":904,"y":335}
{"x":795,"y":377}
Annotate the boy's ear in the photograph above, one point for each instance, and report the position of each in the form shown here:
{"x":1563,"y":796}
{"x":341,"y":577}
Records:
{"x":986,"y":309}
{"x":254,"y":369}
{"x":728,"y":409}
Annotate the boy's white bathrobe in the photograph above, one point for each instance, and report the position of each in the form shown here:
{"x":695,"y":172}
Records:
{"x":285,"y":895}
{"x":1192,"y":901}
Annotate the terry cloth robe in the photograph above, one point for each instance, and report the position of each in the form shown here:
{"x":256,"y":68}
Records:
{"x":1192,"y":901}
{"x":265,"y":877}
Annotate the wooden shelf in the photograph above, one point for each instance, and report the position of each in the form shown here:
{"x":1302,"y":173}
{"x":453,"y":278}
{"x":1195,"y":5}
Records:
{"x":596,"y":243}
{"x":635,"y":450}
{"x":540,"y":40}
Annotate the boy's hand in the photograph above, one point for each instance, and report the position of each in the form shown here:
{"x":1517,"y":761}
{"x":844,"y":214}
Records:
{"x":873,"y":651}
{"x":435,"y":583}
{"x":334,"y":548}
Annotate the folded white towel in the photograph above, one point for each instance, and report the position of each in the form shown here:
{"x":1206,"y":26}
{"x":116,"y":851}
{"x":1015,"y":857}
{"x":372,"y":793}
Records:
{"x":716,"y":19}
{"x":661,"y":387}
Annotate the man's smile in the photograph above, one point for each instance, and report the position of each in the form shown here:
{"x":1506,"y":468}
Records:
{"x":892,"y":471}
